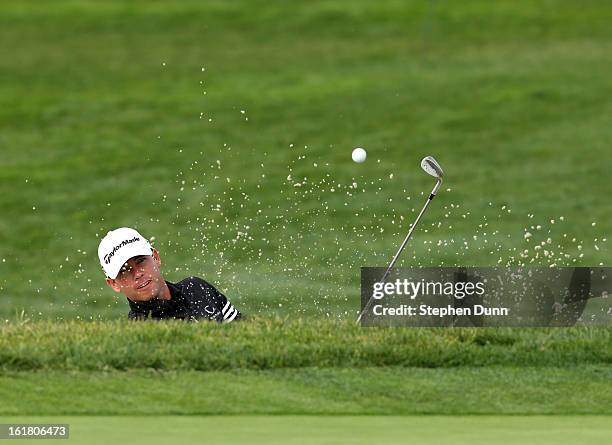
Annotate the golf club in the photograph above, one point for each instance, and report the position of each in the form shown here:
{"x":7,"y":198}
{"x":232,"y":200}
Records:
{"x":431,"y":167}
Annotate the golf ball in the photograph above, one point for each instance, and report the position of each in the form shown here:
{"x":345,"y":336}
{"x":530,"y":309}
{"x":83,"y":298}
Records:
{"x":359,"y":155}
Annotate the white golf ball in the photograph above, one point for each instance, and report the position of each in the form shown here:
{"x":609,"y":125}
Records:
{"x":359,"y":155}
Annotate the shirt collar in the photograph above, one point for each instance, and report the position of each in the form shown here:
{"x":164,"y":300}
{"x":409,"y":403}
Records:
{"x":175,"y":291}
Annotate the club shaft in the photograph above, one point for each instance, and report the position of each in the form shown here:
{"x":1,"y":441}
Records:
{"x":403,"y":245}
{"x":399,"y":251}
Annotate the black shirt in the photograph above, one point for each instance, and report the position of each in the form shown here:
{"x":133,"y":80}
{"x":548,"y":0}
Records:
{"x":190,"y":299}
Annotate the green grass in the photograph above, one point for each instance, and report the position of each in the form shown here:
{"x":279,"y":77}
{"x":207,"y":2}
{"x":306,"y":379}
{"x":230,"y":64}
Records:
{"x":100,"y":106}
{"x":283,"y":343}
{"x":135,"y":113}
{"x":456,"y":430}
{"x":307,"y":367}
{"x":281,"y":366}
{"x":506,"y":390}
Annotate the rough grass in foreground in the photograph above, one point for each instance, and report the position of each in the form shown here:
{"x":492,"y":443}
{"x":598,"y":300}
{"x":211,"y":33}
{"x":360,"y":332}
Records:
{"x":392,"y":390}
{"x":269,"y":343}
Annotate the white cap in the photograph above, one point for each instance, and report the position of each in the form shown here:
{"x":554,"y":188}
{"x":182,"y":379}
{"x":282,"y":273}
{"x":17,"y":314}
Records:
{"x":120,"y":245}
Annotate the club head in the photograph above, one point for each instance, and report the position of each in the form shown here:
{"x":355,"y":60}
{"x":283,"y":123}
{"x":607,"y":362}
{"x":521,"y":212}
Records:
{"x":431,"y":167}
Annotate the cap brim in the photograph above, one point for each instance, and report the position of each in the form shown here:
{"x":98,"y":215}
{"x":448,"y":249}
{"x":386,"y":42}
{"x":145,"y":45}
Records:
{"x":123,"y":256}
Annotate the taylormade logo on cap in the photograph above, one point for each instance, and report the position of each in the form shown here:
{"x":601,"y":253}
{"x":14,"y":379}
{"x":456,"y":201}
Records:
{"x":108,"y":257}
{"x":120,"y":245}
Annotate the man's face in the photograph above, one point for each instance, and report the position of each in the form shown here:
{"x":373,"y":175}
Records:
{"x":140,"y":278}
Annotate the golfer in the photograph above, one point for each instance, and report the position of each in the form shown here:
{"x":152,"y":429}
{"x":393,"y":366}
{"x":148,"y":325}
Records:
{"x":132,"y":267}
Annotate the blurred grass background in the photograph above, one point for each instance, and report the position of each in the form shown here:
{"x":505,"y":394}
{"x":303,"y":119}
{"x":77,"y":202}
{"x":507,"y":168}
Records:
{"x":195,"y":122}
